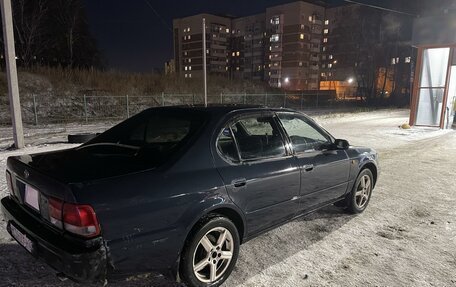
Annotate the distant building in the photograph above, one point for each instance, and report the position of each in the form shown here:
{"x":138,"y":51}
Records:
{"x":280,"y":46}
{"x":303,"y":46}
{"x":188,"y":45}
{"x":369,"y":48}
{"x":170,"y":67}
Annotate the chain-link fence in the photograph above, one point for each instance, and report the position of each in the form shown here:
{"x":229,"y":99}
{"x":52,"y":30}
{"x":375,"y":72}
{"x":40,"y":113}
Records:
{"x":46,"y":109}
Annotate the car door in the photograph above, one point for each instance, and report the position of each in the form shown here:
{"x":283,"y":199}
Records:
{"x":260,"y":174}
{"x":324,"y":173}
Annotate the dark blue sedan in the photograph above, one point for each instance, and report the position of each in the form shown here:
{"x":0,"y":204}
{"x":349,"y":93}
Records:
{"x":177,"y":190}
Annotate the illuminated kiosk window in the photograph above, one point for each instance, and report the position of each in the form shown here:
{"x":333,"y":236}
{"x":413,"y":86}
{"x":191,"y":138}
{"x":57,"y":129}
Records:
{"x":432,"y":86}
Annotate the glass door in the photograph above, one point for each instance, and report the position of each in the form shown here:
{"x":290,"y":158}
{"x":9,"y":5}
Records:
{"x":451,"y":101}
{"x":432,"y":86}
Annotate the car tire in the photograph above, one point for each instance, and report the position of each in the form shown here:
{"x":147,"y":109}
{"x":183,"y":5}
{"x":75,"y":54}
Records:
{"x":210,"y":252}
{"x":358,"y":199}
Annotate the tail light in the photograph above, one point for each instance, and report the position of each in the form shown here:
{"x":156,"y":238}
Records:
{"x":9,"y":182}
{"x":74,"y":218}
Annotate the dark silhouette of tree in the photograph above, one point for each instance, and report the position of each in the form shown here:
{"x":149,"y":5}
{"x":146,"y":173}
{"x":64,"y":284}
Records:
{"x":53,"y":33}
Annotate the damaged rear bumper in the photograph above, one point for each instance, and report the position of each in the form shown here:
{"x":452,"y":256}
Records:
{"x":79,"y":259}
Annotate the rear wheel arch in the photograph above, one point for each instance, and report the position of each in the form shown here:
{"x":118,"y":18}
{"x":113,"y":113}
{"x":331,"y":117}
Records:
{"x":225,"y":211}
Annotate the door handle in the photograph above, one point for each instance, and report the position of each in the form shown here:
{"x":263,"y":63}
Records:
{"x":240,"y":182}
{"x":308,"y":167}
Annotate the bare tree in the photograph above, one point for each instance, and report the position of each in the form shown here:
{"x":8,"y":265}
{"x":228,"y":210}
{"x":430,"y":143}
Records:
{"x":29,"y":20}
{"x":68,"y":17}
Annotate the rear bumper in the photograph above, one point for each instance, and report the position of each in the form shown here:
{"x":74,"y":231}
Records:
{"x":80,"y":260}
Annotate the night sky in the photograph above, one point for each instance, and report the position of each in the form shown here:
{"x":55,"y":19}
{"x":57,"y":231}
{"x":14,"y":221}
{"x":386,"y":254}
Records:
{"x":133,"y":38}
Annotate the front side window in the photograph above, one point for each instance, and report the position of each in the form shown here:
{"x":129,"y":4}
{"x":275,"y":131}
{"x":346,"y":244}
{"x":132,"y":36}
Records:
{"x":258,"y":137}
{"x":302,"y":134}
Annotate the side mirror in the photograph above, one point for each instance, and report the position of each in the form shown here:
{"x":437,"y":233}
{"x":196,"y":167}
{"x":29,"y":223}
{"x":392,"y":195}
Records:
{"x":341,"y":144}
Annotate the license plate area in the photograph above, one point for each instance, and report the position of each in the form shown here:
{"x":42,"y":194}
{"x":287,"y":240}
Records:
{"x":22,"y":238}
{"x":32,"y":197}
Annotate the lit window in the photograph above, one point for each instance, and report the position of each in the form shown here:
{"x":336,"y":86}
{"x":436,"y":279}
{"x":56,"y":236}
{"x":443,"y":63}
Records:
{"x":226,"y":68}
{"x":310,"y":18}
{"x":324,"y":49}
{"x":238,"y":53}
{"x":189,"y":75}
{"x":233,"y":54}
{"x":189,"y":37}
{"x":408,"y":59}
{"x":323,"y":74}
{"x":300,"y":64}
{"x":325,"y":31}
{"x":301,"y":36}
{"x":325,"y":40}
{"x":185,"y":37}
{"x":275,"y":20}
{"x":330,"y":57}
{"x":190,"y":68}
{"x":335,"y":62}
{"x":275,"y":38}
{"x":189,"y":60}
{"x":330,"y":74}
{"x":207,"y":51}
{"x":237,"y":68}
{"x":227,"y":30}
{"x":188,"y":29}
{"x":186,"y":75}
{"x":185,"y":53}
{"x":330,"y":66}
{"x":326,"y":22}
{"x":185,"y":30}
{"x":186,"y":68}
{"x":393,"y":61}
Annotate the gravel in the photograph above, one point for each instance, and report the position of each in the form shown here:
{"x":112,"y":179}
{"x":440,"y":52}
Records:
{"x":406,"y":237}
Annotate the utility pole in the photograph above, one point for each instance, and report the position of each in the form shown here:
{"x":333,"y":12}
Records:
{"x":204,"y":62}
{"x":11,"y":73}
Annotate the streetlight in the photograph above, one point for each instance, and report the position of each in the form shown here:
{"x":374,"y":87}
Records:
{"x":350,"y":80}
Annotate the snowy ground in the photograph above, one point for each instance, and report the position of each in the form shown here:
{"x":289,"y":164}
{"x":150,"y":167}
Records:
{"x":406,"y":237}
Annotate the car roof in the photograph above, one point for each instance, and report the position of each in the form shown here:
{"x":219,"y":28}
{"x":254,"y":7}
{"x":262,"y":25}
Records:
{"x":221,"y":110}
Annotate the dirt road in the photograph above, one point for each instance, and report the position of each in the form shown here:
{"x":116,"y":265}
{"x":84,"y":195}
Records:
{"x":406,"y":237}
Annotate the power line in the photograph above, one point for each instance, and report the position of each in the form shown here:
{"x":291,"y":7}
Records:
{"x":380,"y":8}
{"x":158,"y":15}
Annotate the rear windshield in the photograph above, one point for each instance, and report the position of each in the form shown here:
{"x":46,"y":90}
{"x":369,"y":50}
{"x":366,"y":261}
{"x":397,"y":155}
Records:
{"x":156,"y":132}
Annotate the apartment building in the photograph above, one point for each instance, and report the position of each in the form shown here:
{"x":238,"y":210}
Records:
{"x":299,"y":46}
{"x":295,"y":33}
{"x":280,"y":46}
{"x":248,"y":47}
{"x":365,"y":49}
{"x":188,"y":45}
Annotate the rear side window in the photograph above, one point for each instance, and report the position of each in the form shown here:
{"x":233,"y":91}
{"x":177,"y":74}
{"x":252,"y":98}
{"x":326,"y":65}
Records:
{"x":258,"y":137}
{"x":226,"y":145}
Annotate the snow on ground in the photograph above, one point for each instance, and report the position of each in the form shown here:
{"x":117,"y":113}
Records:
{"x":406,"y":237}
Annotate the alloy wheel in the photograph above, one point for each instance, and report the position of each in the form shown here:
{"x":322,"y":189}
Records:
{"x":363,"y":191}
{"x":213,"y":255}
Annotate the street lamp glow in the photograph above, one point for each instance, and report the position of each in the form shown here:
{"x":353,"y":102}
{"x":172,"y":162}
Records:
{"x":350,"y":80}
{"x":287,"y":80}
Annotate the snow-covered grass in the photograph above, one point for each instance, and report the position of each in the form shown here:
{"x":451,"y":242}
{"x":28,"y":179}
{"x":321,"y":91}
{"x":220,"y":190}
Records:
{"x":406,"y":237}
